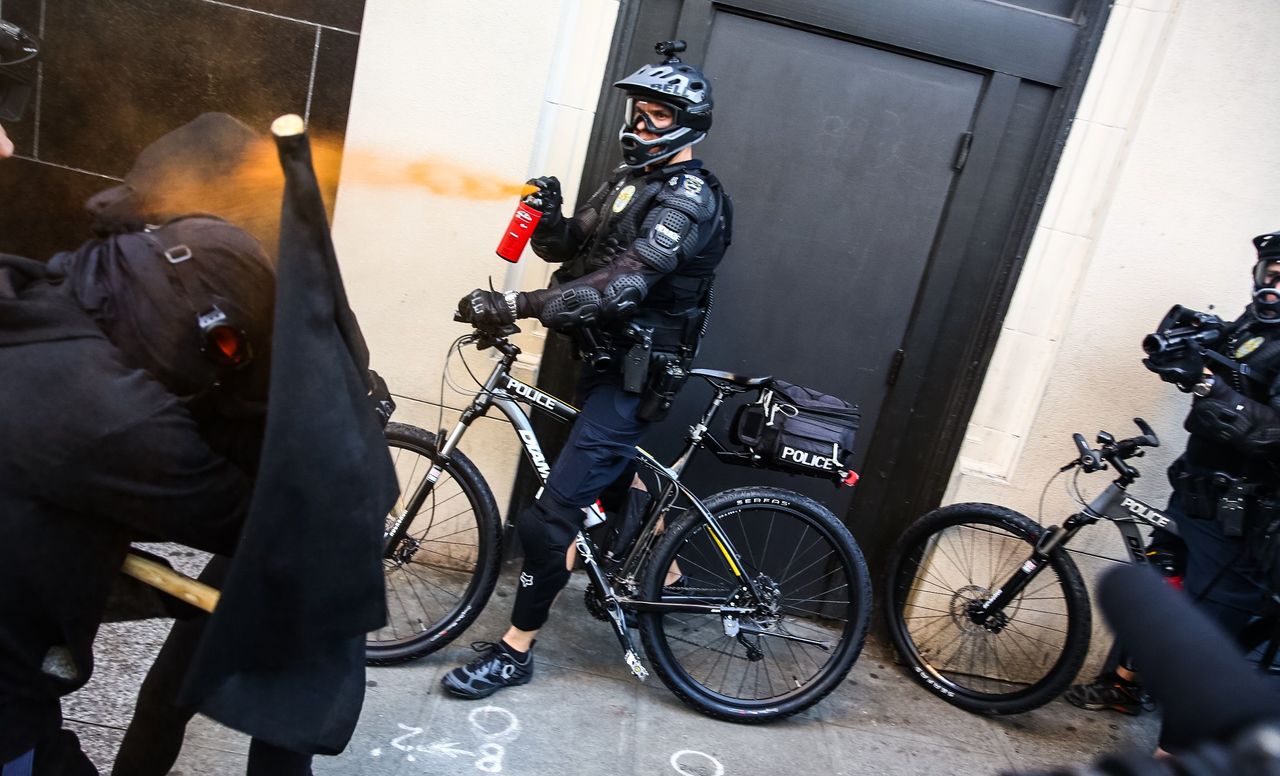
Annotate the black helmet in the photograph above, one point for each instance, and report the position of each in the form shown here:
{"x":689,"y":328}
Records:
{"x":1266,"y":299}
{"x":672,"y":82}
{"x":17,"y":48}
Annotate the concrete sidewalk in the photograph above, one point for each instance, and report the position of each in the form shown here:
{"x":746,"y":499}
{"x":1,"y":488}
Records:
{"x":584,"y":714}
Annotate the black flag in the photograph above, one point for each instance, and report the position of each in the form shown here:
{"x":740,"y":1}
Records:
{"x":282,"y":658}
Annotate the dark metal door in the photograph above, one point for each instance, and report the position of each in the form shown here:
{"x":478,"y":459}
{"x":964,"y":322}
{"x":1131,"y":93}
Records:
{"x":841,"y":157}
{"x":887,"y":159}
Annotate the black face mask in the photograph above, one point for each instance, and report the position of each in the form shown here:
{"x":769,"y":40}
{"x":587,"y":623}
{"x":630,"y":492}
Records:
{"x":1266,"y":306}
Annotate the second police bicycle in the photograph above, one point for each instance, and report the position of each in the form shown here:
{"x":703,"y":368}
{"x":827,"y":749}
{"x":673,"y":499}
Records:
{"x":985,"y":606}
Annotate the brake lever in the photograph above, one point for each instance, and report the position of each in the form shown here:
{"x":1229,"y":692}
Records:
{"x":1089,"y":459}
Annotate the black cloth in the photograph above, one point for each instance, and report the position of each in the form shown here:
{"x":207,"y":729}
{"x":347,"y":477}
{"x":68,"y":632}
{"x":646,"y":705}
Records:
{"x":93,"y":454}
{"x":282,"y":658}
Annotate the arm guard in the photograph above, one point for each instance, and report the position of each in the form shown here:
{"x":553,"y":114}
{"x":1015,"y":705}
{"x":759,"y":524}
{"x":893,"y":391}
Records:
{"x":669,"y":235}
{"x":1231,"y":418}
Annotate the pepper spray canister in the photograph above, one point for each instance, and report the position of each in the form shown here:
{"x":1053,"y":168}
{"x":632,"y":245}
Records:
{"x":520,"y":229}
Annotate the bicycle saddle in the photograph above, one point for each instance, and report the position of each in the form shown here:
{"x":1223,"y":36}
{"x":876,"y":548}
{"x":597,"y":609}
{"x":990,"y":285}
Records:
{"x":743,"y":381}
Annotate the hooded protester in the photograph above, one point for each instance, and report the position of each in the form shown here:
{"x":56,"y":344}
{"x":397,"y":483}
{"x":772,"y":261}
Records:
{"x":110,"y":353}
{"x":282,"y":657}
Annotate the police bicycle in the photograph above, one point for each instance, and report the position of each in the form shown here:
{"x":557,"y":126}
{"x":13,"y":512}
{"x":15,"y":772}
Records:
{"x":986,"y":607}
{"x":752,"y":604}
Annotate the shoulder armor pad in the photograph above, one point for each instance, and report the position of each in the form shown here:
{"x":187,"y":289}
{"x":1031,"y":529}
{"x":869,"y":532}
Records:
{"x":689,"y":193}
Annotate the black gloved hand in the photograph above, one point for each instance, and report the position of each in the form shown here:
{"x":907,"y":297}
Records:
{"x":485,"y":309}
{"x":547,"y":198}
{"x":1183,"y":372}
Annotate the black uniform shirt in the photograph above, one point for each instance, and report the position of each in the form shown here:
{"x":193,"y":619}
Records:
{"x":93,"y":455}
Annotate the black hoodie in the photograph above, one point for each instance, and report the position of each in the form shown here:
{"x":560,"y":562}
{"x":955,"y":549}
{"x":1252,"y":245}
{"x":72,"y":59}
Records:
{"x":93,"y":455}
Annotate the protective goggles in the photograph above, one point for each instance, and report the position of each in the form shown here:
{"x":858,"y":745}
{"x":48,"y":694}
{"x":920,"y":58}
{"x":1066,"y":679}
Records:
{"x":1266,"y":273}
{"x":651,"y":115}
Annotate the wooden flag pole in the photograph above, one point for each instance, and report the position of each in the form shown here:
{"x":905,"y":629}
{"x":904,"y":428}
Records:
{"x":174,"y":583}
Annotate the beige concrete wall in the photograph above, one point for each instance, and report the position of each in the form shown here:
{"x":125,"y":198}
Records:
{"x":1169,"y":171}
{"x":498,"y":91}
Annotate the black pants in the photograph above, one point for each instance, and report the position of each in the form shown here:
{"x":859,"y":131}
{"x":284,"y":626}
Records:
{"x":601,"y":446}
{"x":154,"y":739}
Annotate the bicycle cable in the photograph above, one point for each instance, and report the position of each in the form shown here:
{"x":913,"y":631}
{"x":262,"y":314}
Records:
{"x":1044,"y":492}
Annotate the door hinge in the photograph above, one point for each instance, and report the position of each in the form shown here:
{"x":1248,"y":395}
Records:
{"x":962,"y":153}
{"x":895,"y":366}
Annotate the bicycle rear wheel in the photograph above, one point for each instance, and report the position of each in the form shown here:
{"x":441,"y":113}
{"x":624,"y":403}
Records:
{"x":803,"y":634}
{"x":440,"y":575}
{"x":943,"y":567}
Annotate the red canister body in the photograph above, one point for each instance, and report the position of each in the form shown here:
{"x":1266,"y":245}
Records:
{"x":518,"y":232}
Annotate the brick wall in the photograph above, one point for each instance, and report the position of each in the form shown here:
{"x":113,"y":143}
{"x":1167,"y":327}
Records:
{"x":115,"y":75}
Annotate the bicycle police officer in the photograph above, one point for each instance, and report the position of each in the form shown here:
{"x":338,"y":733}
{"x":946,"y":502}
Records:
{"x":1227,"y":482}
{"x":638,"y":260}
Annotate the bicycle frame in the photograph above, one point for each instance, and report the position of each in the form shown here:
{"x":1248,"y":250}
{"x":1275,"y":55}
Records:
{"x":506,"y":392}
{"x":1114,"y":504}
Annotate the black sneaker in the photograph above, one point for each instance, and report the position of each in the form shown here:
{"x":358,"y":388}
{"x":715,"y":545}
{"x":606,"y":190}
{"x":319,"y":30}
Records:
{"x":494,"y":669}
{"x":1110,"y":692}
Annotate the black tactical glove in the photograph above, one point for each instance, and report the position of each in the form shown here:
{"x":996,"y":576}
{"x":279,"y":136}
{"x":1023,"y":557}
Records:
{"x":485,"y":309}
{"x":547,"y":198}
{"x":1184,"y":372}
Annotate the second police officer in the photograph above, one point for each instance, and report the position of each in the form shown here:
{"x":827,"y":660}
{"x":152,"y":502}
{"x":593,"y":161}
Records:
{"x":637,"y":264}
{"x":1226,"y":484}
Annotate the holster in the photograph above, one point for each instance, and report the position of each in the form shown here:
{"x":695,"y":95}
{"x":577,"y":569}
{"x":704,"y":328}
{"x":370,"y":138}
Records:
{"x":1236,"y":503}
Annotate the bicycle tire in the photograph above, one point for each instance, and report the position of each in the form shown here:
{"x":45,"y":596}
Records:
{"x":957,"y":554}
{"x":819,"y":588}
{"x":444,"y":570}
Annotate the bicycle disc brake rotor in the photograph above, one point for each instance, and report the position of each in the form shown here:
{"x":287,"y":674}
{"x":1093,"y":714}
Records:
{"x":966,"y":611}
{"x":403,"y":554}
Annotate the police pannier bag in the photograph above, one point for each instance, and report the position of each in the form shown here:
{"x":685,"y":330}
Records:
{"x":799,"y":430}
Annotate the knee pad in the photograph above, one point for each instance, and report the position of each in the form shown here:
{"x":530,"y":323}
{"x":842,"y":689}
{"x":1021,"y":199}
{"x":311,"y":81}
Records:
{"x":545,"y":534}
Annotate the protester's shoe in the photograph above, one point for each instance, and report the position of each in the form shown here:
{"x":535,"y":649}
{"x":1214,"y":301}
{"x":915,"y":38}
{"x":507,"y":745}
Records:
{"x":495,"y":668}
{"x":1110,"y":692}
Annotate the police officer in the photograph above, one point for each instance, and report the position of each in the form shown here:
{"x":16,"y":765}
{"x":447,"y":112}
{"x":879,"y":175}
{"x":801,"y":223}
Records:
{"x":1226,"y":483}
{"x":638,"y":260}
{"x":1229,"y":475}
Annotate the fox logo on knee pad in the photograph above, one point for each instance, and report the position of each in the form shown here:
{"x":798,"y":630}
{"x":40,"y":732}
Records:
{"x":526,"y":579}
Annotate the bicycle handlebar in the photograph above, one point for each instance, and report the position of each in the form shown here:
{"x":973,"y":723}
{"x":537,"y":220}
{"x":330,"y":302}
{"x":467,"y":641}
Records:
{"x":1091,"y":460}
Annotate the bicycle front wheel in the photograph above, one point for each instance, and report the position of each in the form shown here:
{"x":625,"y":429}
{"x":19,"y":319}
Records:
{"x":943,"y":568}
{"x":440,"y":575}
{"x":806,"y":622}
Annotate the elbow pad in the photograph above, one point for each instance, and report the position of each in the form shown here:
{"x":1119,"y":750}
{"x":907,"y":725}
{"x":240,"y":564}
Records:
{"x":570,"y":307}
{"x":623,"y":294}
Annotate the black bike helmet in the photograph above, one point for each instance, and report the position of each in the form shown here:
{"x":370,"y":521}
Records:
{"x":1266,"y":299}
{"x":17,"y":48}
{"x":677,"y":85}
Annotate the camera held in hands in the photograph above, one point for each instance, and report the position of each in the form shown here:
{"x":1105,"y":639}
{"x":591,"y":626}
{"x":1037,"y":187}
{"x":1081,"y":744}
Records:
{"x":1175,"y":350}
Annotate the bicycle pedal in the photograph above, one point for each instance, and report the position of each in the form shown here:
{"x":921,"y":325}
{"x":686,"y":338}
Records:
{"x":633,"y":662}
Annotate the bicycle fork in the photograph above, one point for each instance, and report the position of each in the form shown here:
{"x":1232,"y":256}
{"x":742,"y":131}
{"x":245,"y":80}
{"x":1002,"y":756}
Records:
{"x":989,"y":612}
